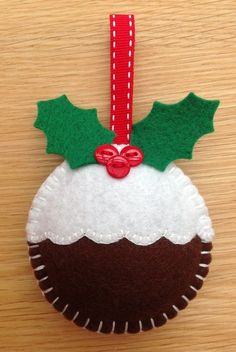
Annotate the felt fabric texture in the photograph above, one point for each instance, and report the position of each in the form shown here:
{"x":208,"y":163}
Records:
{"x":142,"y":207}
{"x":120,"y":287}
{"x":71,"y":131}
{"x":170,"y":131}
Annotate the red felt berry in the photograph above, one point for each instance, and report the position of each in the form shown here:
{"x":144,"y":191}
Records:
{"x":104,"y":152}
{"x":118,"y":166}
{"x":133,"y":154}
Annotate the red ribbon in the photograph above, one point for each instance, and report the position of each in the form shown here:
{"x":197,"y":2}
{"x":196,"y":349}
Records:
{"x":122,"y":44}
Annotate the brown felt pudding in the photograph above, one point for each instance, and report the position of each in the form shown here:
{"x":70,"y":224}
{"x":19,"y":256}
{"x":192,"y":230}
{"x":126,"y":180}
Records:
{"x":123,"y":282}
{"x":120,"y":287}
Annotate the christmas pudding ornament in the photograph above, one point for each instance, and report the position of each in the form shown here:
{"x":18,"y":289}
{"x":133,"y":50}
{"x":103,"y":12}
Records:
{"x":119,"y":238}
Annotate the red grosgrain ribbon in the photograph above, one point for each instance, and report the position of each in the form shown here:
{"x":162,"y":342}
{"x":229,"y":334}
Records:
{"x":122,"y":43}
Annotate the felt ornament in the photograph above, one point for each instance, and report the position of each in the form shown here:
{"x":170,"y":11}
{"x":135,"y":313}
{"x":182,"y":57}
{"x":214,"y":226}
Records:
{"x":119,"y":238}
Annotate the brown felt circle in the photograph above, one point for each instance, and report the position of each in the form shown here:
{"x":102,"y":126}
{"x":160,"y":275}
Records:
{"x":120,"y":286}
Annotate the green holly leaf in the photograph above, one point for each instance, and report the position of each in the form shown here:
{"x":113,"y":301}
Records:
{"x":72,"y":132}
{"x":170,"y":131}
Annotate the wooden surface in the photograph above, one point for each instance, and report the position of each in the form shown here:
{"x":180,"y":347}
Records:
{"x":50,"y":47}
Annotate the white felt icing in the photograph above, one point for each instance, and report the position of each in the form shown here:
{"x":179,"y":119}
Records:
{"x":142,"y":207}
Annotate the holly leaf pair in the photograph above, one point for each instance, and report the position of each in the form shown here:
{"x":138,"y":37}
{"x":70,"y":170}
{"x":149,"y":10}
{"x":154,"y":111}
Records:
{"x":168,"y":133}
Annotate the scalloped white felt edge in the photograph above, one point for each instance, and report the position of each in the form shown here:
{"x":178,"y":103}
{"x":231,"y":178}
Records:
{"x":143,"y":207}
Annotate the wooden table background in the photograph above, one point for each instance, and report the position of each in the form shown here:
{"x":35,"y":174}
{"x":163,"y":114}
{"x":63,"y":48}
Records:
{"x":48,"y":48}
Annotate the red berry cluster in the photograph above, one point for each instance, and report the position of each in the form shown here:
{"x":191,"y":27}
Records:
{"x":118,"y":164}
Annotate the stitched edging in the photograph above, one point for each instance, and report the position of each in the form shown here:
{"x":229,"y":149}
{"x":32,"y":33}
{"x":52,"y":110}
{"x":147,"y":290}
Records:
{"x":155,"y":322}
{"x":204,"y":228}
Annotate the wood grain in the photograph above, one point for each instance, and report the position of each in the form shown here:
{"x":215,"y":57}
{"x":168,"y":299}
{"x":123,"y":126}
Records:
{"x":48,"y":48}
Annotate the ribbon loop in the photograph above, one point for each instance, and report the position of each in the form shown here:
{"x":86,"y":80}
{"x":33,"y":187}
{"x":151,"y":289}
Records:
{"x":122,"y":45}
